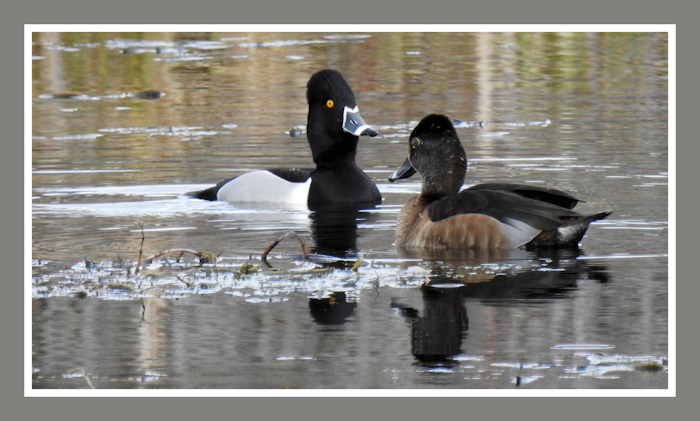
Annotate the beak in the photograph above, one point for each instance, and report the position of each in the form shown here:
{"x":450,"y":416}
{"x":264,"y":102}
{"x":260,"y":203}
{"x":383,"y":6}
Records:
{"x":353,"y":123}
{"x":405,"y":171}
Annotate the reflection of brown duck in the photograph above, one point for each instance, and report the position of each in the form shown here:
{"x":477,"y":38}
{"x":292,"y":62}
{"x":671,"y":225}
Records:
{"x":555,"y":278}
{"x":437,"y":330}
{"x":489,"y":216}
{"x":470,"y":265}
{"x":332,"y":310}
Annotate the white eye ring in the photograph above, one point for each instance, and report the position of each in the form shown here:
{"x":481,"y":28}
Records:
{"x":415,"y":142}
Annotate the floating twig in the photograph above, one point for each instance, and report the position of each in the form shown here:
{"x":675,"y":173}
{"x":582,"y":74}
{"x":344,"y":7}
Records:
{"x":87,"y":379}
{"x":143,"y":238}
{"x":189,"y":284}
{"x":204,"y":256}
{"x":359,"y":262}
{"x":314,"y":271}
{"x":279,"y":240}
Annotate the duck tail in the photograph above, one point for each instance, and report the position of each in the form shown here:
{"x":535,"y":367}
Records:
{"x":207,"y":194}
{"x":595,"y":217}
{"x":569,"y":234}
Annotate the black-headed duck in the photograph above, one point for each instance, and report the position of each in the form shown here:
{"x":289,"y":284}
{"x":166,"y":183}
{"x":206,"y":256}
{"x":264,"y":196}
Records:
{"x":333,"y":129}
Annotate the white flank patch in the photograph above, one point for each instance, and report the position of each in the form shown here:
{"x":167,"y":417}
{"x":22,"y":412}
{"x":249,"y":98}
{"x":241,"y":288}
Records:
{"x":519,"y":232}
{"x":569,"y":232}
{"x":263,"y":186}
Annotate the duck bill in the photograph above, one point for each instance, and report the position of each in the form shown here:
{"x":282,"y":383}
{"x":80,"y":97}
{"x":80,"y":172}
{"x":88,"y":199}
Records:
{"x":405,"y":171}
{"x":353,"y":123}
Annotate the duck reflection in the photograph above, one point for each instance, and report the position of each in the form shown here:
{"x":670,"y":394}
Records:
{"x":333,"y":310}
{"x":437,"y":331}
{"x":334,"y":229}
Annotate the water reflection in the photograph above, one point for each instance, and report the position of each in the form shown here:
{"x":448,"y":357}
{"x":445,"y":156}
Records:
{"x":438,"y":330}
{"x":333,"y":310}
{"x":334,"y":230}
{"x":105,"y":159}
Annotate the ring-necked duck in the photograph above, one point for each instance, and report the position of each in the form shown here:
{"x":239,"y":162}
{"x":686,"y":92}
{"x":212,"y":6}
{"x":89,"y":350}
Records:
{"x":333,"y":129}
{"x":493,"y":215}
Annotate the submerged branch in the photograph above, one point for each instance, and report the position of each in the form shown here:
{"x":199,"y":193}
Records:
{"x":279,"y":240}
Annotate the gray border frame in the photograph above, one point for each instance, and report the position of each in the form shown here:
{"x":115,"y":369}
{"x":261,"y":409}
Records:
{"x":682,"y":13}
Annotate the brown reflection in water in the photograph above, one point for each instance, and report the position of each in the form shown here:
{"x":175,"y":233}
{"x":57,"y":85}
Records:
{"x":438,"y":329}
{"x":153,"y":342}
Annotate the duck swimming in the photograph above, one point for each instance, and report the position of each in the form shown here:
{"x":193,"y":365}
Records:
{"x":333,"y":129}
{"x":484,"y":216}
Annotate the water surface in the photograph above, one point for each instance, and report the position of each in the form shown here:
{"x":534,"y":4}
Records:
{"x":112,"y":159}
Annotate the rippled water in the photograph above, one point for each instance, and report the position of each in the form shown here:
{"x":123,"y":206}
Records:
{"x":112,"y":159}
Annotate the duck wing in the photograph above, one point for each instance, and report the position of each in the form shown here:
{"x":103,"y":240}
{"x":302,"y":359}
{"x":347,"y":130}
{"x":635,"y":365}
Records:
{"x":543,"y":194}
{"x":505,"y":206}
{"x":293,"y":175}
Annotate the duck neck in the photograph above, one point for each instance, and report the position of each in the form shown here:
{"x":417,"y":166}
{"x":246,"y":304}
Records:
{"x":330,"y":152}
{"x":329,"y":163}
{"x":446,"y":182}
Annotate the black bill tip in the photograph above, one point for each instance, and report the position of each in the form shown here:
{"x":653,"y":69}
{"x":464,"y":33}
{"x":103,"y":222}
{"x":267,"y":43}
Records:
{"x":405,"y":171}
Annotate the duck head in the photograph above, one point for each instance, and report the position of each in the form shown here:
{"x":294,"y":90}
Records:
{"x":334,"y":123}
{"x":435,"y":151}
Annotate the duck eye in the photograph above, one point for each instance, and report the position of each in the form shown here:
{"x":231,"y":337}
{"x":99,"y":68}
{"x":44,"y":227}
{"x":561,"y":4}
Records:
{"x":415,"y":142}
{"x":330,"y":103}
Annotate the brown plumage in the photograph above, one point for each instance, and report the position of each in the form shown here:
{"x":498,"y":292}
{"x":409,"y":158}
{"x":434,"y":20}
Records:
{"x":485,"y":216}
{"x":415,"y":229}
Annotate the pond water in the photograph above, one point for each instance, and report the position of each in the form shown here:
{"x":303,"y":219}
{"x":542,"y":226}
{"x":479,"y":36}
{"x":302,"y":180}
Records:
{"x":112,"y":159}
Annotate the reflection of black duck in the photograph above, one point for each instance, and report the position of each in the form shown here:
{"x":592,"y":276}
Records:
{"x":490,"y":216}
{"x":332,"y":310}
{"x":334,"y":230}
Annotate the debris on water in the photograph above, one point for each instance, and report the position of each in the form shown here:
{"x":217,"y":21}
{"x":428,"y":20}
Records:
{"x":247,"y":269}
{"x":463,"y":124}
{"x":296,"y":131}
{"x":40,"y":262}
{"x":266,"y":299}
{"x":68,"y":95}
{"x":523,"y":380}
{"x":151,"y":375}
{"x":120,"y":288}
{"x":357,"y":263}
{"x":204,"y":256}
{"x":149,"y":94}
{"x":582,"y":346}
{"x":73,"y":374}
{"x":650,"y":367}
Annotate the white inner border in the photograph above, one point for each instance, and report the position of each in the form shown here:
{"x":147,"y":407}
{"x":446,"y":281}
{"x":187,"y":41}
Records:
{"x":672,"y":363}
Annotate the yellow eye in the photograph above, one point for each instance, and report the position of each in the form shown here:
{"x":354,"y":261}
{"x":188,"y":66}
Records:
{"x":329,"y":104}
{"x":415,"y":142}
